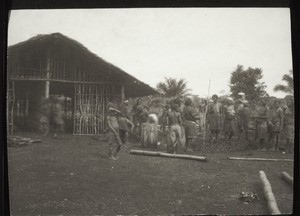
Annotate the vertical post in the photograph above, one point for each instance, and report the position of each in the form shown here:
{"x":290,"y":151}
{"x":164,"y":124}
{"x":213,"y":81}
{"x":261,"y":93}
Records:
{"x":47,"y":84}
{"x":122,"y":94}
{"x":206,"y":109}
{"x":74,"y":108}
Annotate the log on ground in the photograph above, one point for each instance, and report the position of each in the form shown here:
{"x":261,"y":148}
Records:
{"x":260,"y":159}
{"x":162,"y":154}
{"x":286,"y":177}
{"x":272,"y":205}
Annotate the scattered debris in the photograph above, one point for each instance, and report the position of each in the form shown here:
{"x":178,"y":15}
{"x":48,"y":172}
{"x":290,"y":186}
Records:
{"x":16,"y":141}
{"x":203,"y":186}
{"x":139,"y":212}
{"x":219,"y":205}
{"x":248,"y":197}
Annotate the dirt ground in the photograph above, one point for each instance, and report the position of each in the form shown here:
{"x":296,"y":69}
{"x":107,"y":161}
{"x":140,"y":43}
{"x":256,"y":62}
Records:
{"x":73,"y":176}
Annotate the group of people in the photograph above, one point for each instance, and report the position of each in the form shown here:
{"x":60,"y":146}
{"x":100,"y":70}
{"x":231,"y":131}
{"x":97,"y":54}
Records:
{"x":237,"y":117}
{"x":172,"y":118}
{"x":181,"y":120}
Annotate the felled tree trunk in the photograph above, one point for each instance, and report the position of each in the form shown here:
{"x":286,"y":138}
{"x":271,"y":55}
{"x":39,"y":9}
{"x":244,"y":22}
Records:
{"x":260,"y":159}
{"x":272,"y":205}
{"x":162,"y":154}
{"x":287,"y":178}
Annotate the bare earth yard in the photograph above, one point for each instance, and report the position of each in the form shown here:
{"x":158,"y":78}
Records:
{"x":73,"y":176}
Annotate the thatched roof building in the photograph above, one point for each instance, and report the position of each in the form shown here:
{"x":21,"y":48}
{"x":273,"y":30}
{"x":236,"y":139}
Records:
{"x":74,"y":56}
{"x":54,"y":64}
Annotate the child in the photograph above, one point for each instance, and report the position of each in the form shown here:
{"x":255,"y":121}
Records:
{"x":114,"y":140}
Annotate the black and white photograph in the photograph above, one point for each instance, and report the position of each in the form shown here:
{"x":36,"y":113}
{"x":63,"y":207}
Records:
{"x":150,"y":111}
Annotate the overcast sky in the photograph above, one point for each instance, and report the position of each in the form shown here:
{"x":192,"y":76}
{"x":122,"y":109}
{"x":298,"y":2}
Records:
{"x":196,"y":44}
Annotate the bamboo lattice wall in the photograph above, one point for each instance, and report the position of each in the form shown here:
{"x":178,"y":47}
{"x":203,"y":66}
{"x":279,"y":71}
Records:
{"x":90,"y":107}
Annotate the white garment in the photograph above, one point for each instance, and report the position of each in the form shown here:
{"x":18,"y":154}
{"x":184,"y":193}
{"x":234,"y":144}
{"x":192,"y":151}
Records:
{"x":152,"y":118}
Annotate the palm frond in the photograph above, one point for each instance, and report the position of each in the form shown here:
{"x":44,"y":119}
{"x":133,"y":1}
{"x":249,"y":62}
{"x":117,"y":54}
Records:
{"x":281,"y":87}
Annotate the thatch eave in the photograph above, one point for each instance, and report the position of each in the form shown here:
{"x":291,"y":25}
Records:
{"x":52,"y":43}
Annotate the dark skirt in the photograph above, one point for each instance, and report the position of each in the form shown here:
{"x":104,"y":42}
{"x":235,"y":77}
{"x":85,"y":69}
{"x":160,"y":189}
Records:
{"x":214,"y":123}
{"x":289,"y":131}
{"x":190,"y":130}
{"x":261,"y":130}
{"x":243,"y":123}
{"x":113,"y":138}
{"x":276,"y":127}
{"x":229,"y":125}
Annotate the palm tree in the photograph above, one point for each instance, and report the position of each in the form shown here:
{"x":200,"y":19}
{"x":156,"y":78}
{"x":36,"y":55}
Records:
{"x":173,"y":88}
{"x":289,"y":87}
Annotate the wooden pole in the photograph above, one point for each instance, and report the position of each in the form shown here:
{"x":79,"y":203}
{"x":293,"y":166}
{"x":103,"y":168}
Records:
{"x":206,"y":113}
{"x":286,"y":177}
{"x":162,"y":154}
{"x":272,"y":205}
{"x":260,"y":159}
{"x":47,"y":84}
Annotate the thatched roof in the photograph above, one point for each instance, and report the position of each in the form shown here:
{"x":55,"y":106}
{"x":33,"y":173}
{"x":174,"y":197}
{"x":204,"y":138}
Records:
{"x":61,"y":45}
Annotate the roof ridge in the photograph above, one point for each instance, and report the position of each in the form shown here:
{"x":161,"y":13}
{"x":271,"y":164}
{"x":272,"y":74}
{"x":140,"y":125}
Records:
{"x":80,"y":46}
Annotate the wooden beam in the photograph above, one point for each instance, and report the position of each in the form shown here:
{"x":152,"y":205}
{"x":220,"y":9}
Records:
{"x":162,"y":154}
{"x":286,"y":177}
{"x":260,"y":159}
{"x":62,"y":81}
{"x":272,"y":205}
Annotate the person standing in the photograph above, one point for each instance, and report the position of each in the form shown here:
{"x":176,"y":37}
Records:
{"x":239,"y":109}
{"x":45,"y":116}
{"x":189,"y":116}
{"x":124,"y":125}
{"x":138,"y":110}
{"x":165,"y":117}
{"x":214,"y":118}
{"x":175,"y":131}
{"x":229,"y":120}
{"x":58,"y":118}
{"x":288,"y":127}
{"x":156,"y":109}
{"x":201,"y":116}
{"x":262,"y":121}
{"x":244,"y":117}
{"x":114,"y":140}
{"x":275,"y":127}
{"x":125,"y":111}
